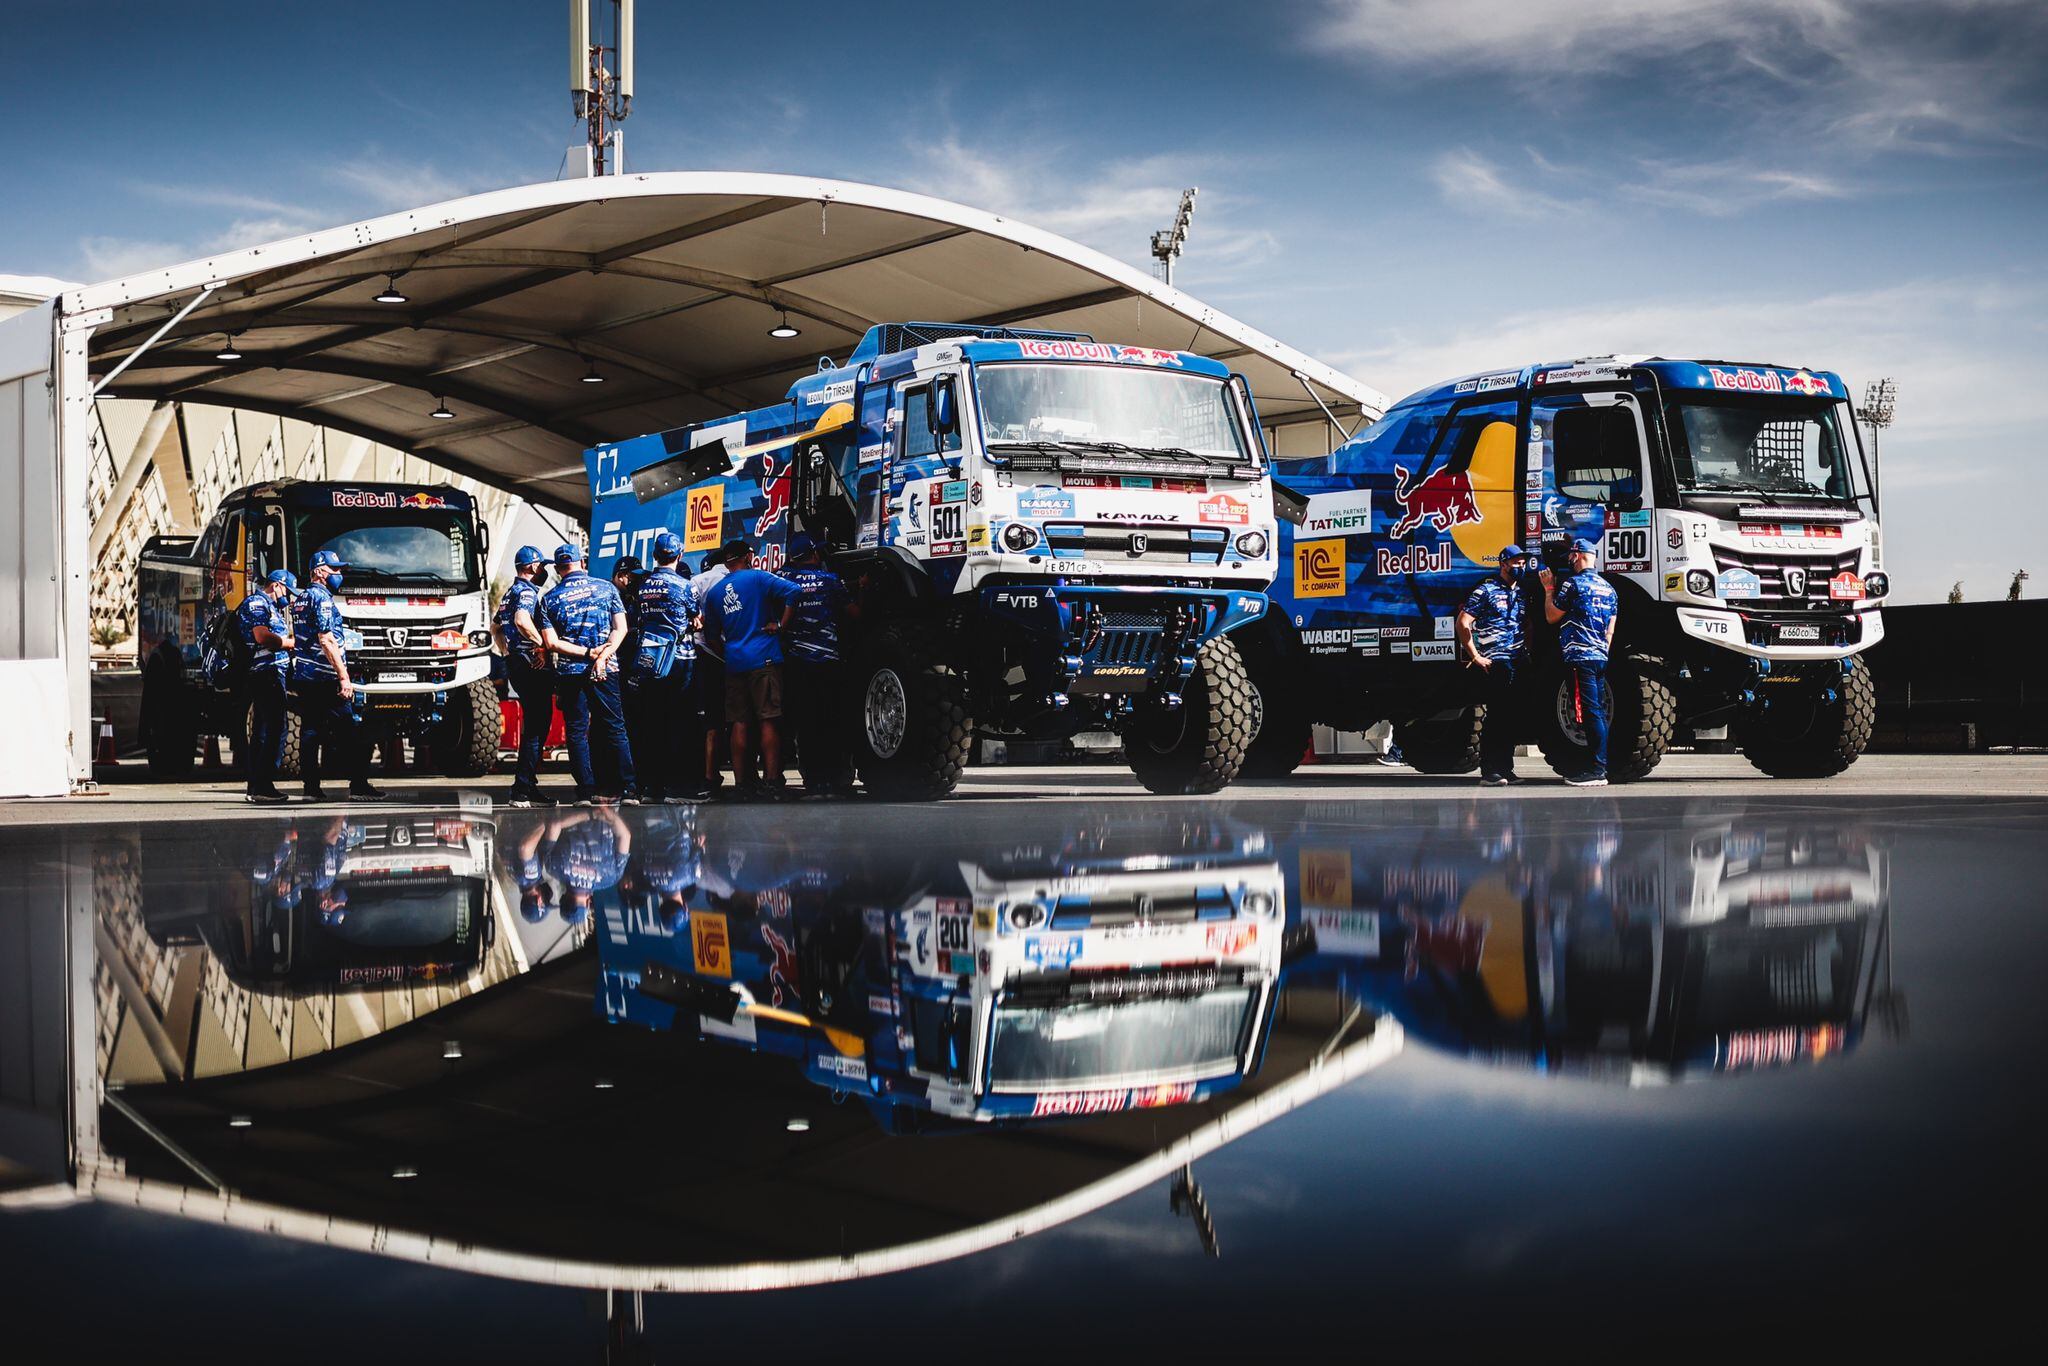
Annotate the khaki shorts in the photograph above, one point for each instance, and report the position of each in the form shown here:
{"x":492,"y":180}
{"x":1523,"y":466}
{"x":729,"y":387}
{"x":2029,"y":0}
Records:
{"x":754,"y":696}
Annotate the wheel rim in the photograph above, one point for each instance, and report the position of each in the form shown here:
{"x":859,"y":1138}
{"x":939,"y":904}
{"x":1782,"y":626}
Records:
{"x":1568,"y":724}
{"x":887,"y":713}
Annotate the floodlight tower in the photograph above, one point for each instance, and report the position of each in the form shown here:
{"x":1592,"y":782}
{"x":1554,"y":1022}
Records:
{"x":601,"y":92}
{"x":1167,"y":244}
{"x":1880,"y":397}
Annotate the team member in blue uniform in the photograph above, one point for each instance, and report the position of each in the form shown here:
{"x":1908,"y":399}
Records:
{"x":1490,"y":637}
{"x":709,"y":685}
{"x":526,"y":662}
{"x":668,"y":755}
{"x":265,"y":625}
{"x":1585,"y":609}
{"x":754,"y":607}
{"x":326,"y":693}
{"x":589,"y":854}
{"x":627,"y":572}
{"x":583,"y":622}
{"x":812,"y":670}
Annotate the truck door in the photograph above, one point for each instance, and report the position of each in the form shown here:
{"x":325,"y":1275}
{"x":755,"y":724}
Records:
{"x":1590,"y":449}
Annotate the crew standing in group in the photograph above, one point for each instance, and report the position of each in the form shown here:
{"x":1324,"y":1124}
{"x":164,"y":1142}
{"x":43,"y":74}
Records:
{"x":583,"y":622}
{"x":1490,"y":636}
{"x":754,"y":607}
{"x":813,"y":673}
{"x":627,"y":571}
{"x":1585,"y":609}
{"x":526,"y":666}
{"x":709,"y":685}
{"x":331,"y":729}
{"x":265,"y":624}
{"x":668,"y":746}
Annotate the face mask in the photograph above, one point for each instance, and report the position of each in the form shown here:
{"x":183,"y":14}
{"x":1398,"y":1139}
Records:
{"x":540,"y":576}
{"x":334,"y":578}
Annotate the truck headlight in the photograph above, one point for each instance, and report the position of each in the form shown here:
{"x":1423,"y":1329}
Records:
{"x":1699,"y":583}
{"x":1259,"y":904}
{"x":480,"y":639}
{"x":1252,"y":544}
{"x":1876,"y":585}
{"x":1019,"y":537}
{"x":1025,"y":915}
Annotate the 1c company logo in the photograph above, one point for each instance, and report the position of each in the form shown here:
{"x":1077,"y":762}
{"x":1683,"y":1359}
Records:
{"x":1318,"y":569}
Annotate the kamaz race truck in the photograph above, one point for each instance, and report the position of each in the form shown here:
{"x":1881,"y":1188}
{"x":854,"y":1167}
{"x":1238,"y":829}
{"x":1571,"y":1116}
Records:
{"x":419,"y":630}
{"x":1737,"y":518}
{"x":1037,"y":980}
{"x":1739,"y":939}
{"x":1044,"y":534}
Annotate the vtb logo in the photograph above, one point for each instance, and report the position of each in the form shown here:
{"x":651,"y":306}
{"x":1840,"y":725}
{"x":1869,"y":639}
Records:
{"x":1439,"y":497}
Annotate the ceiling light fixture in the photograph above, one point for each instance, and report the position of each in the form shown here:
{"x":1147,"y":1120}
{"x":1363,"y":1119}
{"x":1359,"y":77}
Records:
{"x":227,"y":350}
{"x":782,"y":329}
{"x":389,"y":294}
{"x":440,"y":409}
{"x":590,"y":375}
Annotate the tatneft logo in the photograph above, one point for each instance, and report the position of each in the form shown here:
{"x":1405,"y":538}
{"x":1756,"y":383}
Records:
{"x":1338,"y":514}
{"x":1318,"y":569}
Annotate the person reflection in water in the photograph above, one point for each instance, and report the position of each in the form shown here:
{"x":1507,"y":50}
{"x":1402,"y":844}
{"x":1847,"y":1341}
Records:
{"x":589,"y":850}
{"x":523,"y":858}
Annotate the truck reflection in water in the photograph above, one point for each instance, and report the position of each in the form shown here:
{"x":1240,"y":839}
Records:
{"x":1738,"y":938}
{"x":1123,"y":965}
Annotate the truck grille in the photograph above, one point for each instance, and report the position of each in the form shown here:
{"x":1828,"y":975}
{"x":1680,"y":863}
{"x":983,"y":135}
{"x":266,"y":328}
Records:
{"x":1770,"y":572}
{"x":1113,"y":542}
{"x":381,"y":654}
{"x":1174,"y":906}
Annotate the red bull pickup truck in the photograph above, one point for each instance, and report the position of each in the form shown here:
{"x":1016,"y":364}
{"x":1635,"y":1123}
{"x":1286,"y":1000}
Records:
{"x":1736,"y":513}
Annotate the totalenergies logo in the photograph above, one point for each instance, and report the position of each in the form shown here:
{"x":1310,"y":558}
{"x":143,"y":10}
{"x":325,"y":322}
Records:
{"x":1441,"y":497}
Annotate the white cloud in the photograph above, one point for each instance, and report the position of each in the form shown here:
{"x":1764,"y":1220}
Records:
{"x":391,"y":183}
{"x":1470,"y":181}
{"x":110,"y":258}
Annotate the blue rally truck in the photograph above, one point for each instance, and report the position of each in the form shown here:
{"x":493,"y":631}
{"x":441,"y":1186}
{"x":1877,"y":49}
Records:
{"x":1043,"y":535}
{"x":419,"y":627}
{"x":1736,"y":514}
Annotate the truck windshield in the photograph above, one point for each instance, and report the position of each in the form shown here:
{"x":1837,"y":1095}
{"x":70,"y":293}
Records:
{"x":434,"y":548}
{"x":1769,"y":446}
{"x":1040,"y":1047}
{"x":1120,"y":408}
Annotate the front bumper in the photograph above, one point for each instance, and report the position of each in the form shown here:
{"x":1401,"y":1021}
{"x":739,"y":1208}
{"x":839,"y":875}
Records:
{"x":1107,"y":639}
{"x":1760,"y":637}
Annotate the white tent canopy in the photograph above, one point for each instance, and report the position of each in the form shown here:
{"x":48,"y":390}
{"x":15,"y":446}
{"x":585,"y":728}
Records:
{"x":663,"y":285}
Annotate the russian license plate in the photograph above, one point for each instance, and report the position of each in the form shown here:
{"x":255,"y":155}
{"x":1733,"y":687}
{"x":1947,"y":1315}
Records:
{"x":397,"y":678}
{"x":1792,"y":633}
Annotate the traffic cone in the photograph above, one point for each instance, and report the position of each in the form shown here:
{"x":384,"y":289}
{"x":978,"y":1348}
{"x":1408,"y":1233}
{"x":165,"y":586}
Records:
{"x":103,"y":752}
{"x":209,"y":757}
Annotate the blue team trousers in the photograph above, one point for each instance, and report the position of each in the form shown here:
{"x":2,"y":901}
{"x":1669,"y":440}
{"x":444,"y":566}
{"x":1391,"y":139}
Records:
{"x":1591,"y":708}
{"x":584,"y":700}
{"x":535,"y":689}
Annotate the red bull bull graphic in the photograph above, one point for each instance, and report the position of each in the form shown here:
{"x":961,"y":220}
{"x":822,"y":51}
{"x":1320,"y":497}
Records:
{"x":1442,"y":498}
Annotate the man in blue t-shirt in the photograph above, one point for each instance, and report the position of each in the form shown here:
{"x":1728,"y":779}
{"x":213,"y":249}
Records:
{"x":583,"y":622}
{"x":1490,"y":639}
{"x":526,"y":661}
{"x":327,"y":695}
{"x":813,"y":672}
{"x":752,"y":607}
{"x":668,"y":751}
{"x":265,"y":625}
{"x":1584,"y":609}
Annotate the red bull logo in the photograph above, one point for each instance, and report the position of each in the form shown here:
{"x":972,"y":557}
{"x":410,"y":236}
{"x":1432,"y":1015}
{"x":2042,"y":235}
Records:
{"x":1441,"y":498}
{"x":775,"y":488}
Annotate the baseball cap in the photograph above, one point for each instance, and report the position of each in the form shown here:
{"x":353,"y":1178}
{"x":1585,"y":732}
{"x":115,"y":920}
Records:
{"x":283,"y":576}
{"x":733,"y":549}
{"x":667,"y":545}
{"x":327,"y":559}
{"x":629,"y":563}
{"x":528,"y":554}
{"x":800,"y":546}
{"x":1582,"y":546}
{"x":1512,"y":552}
{"x":568,"y":554}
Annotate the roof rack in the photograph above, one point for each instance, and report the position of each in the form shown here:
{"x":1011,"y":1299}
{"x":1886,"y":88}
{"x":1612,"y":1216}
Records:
{"x":892,"y":337}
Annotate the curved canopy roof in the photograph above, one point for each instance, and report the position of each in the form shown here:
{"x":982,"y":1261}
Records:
{"x":663,"y":285}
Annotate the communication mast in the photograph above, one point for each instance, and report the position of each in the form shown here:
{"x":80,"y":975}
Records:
{"x":601,"y":81}
{"x":1167,"y":243}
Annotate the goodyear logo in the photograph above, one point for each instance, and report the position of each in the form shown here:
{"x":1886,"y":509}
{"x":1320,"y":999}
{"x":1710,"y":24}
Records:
{"x":704,"y":518}
{"x":1318,"y":569}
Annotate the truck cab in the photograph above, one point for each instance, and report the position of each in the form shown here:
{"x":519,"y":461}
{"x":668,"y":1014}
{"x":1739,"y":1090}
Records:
{"x":1046,"y":534}
{"x":1736,"y":516}
{"x":419,"y":637}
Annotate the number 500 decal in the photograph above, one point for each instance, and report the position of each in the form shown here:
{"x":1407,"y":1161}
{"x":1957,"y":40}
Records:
{"x":1628,"y":543}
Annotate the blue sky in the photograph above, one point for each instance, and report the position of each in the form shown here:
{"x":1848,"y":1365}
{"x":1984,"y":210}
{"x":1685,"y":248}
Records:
{"x":1405,"y":188}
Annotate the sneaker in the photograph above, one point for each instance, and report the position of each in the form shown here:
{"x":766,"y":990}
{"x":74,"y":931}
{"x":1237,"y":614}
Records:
{"x":1588,"y":780}
{"x":632,"y":799}
{"x":1493,"y":780}
{"x":314,"y":794}
{"x":529,"y":799}
{"x":1391,"y":757}
{"x":265,"y":796}
{"x":363,"y":792}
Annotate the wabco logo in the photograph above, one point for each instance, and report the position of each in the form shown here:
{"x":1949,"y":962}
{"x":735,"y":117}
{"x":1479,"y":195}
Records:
{"x":1318,"y":569}
{"x":1440,"y":497}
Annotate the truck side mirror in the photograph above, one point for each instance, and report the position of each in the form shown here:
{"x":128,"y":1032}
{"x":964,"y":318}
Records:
{"x":944,"y":415}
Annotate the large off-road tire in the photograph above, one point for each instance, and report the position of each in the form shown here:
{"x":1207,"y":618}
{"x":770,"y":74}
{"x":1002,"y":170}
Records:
{"x":290,"y":744}
{"x":1643,"y":718}
{"x":465,"y":743}
{"x":1446,"y":743}
{"x":1285,"y":731}
{"x":1200,"y":745}
{"x":169,"y":730}
{"x":1810,"y":736}
{"x":911,"y":730}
